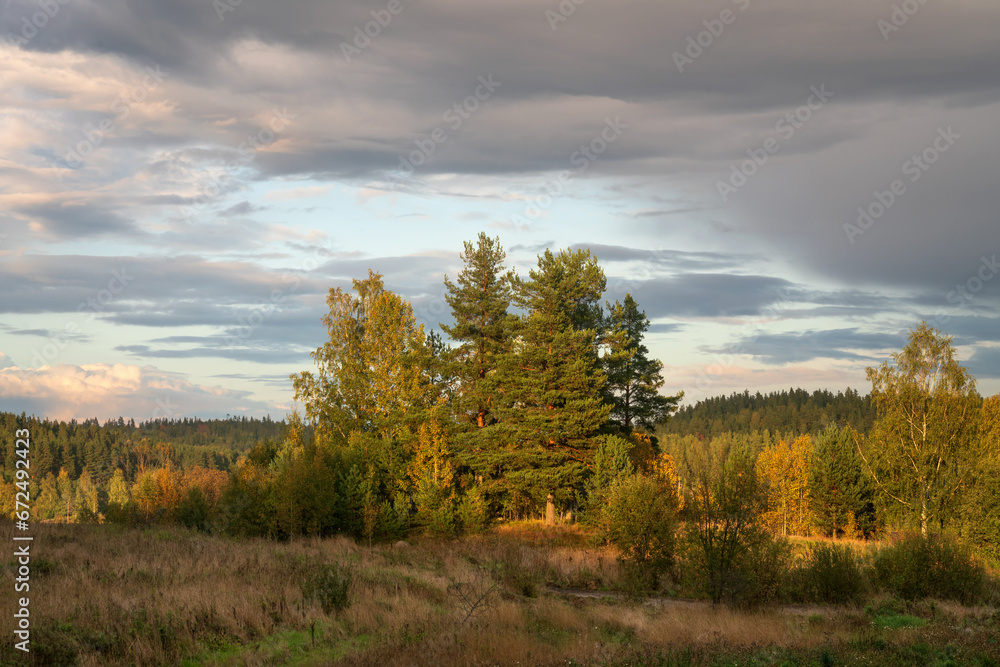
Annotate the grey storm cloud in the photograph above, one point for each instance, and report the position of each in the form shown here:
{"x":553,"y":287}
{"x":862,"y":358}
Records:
{"x":709,"y":295}
{"x":67,"y":283}
{"x":785,"y":348}
{"x":890,"y":95}
{"x":985,"y":362}
{"x":163,"y":184}
{"x":670,"y":260}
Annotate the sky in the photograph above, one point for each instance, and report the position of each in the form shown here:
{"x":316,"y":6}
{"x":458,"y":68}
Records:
{"x":786,"y":188}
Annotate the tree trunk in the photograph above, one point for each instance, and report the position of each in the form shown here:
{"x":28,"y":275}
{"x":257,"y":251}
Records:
{"x":550,"y":510}
{"x":923,"y":512}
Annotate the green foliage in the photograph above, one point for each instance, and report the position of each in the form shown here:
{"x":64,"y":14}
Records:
{"x":482,"y":329}
{"x":831,"y":573}
{"x":633,"y":379}
{"x":611,"y":465}
{"x":760,"y":575}
{"x":981,"y":504}
{"x":723,"y":503}
{"x":194,"y":510}
{"x":432,"y":479}
{"x":551,"y":380}
{"x":916,"y":567}
{"x":838,"y":486}
{"x":247,"y":504}
{"x":373,"y":372}
{"x":306,"y":493}
{"x":640,"y":520}
{"x":793,"y":412}
{"x":922,"y":446}
{"x":472,"y":512}
{"x":328,"y":586}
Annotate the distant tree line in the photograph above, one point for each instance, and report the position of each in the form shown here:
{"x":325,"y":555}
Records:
{"x":77,"y":465}
{"x":792,"y":411}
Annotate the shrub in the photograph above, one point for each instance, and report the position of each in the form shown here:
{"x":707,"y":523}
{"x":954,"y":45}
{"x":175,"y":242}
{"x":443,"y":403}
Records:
{"x":723,"y":504}
{"x":917,"y":567}
{"x":472,"y":512}
{"x":194,"y":511}
{"x":639,"y":519}
{"x":831,"y":573}
{"x":611,"y":465}
{"x":760,"y":575}
{"x":328,"y":586}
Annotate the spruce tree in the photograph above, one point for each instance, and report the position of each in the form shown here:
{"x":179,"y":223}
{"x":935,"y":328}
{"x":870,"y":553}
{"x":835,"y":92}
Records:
{"x":839,"y":489}
{"x":634,"y":380}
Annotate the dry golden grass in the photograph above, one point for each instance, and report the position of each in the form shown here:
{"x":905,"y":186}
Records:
{"x":163,"y":596}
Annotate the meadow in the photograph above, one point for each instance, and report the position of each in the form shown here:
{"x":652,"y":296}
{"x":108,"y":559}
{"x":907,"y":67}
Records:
{"x":519,"y":594}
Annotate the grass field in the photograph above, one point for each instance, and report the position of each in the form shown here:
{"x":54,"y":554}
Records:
{"x":102,"y":595}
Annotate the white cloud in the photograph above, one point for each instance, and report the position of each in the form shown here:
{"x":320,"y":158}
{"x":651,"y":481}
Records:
{"x":108,"y":391}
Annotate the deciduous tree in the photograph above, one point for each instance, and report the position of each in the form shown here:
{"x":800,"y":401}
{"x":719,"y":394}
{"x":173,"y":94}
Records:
{"x":922,"y":445}
{"x":784,"y":471}
{"x":372,"y":373}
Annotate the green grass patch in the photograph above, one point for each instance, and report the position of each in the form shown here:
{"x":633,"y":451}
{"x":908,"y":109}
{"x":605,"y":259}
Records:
{"x":896,"y":621}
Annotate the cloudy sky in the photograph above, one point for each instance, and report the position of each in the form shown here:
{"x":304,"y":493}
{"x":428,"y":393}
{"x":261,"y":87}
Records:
{"x":786,"y":187}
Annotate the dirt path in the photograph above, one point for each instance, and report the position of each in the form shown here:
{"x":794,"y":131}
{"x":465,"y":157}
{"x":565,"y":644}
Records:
{"x":680,"y":604}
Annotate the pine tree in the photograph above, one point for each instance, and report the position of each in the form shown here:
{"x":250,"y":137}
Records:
{"x":634,"y":380}
{"x":479,"y":303}
{"x":552,"y":380}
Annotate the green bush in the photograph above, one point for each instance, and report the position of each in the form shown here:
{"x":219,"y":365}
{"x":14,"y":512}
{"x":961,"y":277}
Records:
{"x":760,"y":576}
{"x":194,"y":511}
{"x":917,"y":567}
{"x":639,"y":518}
{"x":472,"y":512}
{"x":723,"y":505}
{"x":831,"y":573}
{"x":328,"y":586}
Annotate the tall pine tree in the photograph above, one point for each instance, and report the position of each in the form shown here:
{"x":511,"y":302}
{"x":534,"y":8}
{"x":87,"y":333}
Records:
{"x":479,"y":303}
{"x":552,"y":381}
{"x":634,"y":380}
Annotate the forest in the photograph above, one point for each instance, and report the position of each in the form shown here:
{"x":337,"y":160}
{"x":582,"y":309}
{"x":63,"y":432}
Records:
{"x":527,"y":452}
{"x":538,"y":401}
